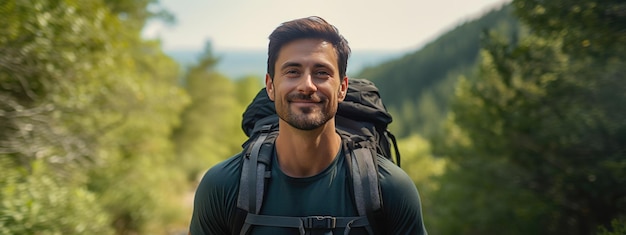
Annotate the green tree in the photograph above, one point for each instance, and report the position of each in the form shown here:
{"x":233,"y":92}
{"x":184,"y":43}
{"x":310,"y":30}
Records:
{"x":48,"y":50}
{"x":211,"y":125}
{"x":596,"y":28}
{"x":86,"y":98}
{"x":538,"y":134}
{"x":536,"y":143}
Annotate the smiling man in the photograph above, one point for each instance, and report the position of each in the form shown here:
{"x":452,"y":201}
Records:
{"x":307,"y":87}
{"x":309,"y":180}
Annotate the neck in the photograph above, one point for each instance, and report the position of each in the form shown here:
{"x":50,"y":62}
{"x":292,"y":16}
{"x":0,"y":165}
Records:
{"x":303,"y":153}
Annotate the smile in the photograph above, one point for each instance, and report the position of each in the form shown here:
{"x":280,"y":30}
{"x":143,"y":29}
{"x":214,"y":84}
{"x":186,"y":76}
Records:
{"x":305,"y":103}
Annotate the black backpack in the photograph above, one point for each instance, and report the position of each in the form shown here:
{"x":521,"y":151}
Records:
{"x":361,"y":120}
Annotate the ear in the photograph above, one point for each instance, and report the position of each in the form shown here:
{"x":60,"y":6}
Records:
{"x":269,"y":86}
{"x":343,"y":88}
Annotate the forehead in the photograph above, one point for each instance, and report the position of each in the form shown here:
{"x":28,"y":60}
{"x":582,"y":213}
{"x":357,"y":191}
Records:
{"x":304,"y":51}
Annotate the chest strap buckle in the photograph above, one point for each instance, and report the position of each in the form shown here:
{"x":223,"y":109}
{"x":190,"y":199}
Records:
{"x":320,"y":222}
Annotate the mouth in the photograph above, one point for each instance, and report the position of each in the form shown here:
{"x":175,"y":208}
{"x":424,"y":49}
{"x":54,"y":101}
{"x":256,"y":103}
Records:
{"x":304,"y":99}
{"x":304,"y":103}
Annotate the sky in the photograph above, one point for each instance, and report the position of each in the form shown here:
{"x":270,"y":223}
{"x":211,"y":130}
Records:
{"x":366,"y":24}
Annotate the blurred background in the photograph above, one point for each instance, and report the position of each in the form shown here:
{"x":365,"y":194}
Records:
{"x":510,"y":114}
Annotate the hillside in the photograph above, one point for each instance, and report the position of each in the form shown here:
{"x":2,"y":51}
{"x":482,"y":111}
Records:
{"x":417,"y":87}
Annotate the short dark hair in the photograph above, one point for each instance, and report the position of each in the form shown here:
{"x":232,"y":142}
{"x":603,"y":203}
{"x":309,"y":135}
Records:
{"x":309,"y":27}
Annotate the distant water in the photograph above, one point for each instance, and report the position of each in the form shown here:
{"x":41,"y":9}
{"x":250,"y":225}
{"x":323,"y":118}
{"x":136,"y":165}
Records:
{"x":238,"y":63}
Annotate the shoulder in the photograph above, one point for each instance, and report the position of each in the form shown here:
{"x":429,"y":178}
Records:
{"x":221,"y":178}
{"x":216,"y":197}
{"x":229,"y":169}
{"x":392,"y":177}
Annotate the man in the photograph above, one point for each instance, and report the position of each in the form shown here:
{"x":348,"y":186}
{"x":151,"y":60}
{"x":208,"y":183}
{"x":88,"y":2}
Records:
{"x":306,"y":79}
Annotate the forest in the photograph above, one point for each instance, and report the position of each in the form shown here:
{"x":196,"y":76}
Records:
{"x":511,"y":123}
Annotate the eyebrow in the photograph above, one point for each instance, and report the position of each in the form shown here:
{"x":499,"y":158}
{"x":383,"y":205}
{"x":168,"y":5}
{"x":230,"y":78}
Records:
{"x":296,"y":64}
{"x":290,"y":64}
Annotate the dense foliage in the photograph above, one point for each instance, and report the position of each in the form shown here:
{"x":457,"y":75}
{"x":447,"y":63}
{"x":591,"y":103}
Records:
{"x":588,"y":28}
{"x":87,"y":113}
{"x":537,"y":140}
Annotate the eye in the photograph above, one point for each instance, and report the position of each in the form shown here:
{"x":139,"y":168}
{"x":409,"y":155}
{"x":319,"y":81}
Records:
{"x":292,"y":73}
{"x":322,"y":74}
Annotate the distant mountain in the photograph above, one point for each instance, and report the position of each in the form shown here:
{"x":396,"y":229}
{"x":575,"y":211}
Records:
{"x":239,"y":63}
{"x":418,"y":86}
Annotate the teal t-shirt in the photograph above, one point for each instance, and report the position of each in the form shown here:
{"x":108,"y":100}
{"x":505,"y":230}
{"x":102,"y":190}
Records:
{"x":319,"y":195}
{"x":327,"y":193}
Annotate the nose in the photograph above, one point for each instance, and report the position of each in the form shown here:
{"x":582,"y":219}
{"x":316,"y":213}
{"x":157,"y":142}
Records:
{"x":306,"y":84}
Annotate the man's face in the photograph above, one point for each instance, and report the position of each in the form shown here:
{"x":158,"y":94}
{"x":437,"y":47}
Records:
{"x":306,"y":87}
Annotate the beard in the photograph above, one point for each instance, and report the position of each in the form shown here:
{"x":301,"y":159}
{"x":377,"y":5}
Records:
{"x":306,"y":118}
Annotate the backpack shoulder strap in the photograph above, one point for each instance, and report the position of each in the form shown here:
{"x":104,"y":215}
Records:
{"x":361,"y":159}
{"x":254,"y":174}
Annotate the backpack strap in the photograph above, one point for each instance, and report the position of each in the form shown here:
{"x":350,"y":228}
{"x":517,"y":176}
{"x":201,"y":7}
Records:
{"x":254,"y":173}
{"x":389,"y":135}
{"x":361,"y":160}
{"x":308,"y":222}
{"x":252,"y":178}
